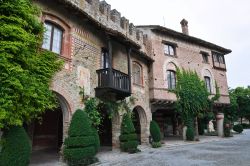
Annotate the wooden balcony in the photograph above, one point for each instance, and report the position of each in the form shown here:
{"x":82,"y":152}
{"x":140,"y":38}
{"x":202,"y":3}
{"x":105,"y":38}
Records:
{"x":112,"y":84}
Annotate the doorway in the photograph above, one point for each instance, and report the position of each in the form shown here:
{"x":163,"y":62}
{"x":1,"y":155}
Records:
{"x":137,"y":124}
{"x":105,"y":129}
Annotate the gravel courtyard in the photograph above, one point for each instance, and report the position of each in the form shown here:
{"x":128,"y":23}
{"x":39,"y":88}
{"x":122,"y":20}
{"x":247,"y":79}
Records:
{"x":234,"y":151}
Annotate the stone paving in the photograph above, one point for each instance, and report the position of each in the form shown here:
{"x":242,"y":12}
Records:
{"x":210,"y":151}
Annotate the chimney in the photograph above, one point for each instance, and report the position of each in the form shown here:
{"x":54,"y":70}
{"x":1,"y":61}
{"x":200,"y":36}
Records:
{"x":184,"y":26}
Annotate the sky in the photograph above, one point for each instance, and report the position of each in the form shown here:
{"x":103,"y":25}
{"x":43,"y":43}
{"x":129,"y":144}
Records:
{"x":223,"y":22}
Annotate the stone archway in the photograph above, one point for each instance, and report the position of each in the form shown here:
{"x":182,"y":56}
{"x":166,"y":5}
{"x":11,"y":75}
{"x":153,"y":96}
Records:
{"x":48,"y":134}
{"x":140,"y":123}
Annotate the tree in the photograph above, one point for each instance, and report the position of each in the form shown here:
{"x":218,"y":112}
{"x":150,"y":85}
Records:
{"x":83,"y":142}
{"x":192,"y":96}
{"x":231,"y":112}
{"x":25,"y":70}
{"x":240,"y":103}
{"x":128,"y":137}
{"x":16,"y":147}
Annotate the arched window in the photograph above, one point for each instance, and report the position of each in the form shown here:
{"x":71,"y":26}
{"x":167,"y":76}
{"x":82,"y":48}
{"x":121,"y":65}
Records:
{"x":52,"y":39}
{"x":171,"y":79}
{"x":208,"y":84}
{"x":137,"y":73}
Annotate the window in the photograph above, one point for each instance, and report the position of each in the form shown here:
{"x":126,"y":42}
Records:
{"x":205,"y":57}
{"x":169,"y":50}
{"x":52,"y":39}
{"x":105,"y":59}
{"x":137,"y":74}
{"x":219,"y":58}
{"x":171,"y":78}
{"x":208,"y":84}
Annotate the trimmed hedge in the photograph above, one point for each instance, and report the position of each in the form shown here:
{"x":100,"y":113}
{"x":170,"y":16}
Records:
{"x":156,"y":144}
{"x":245,"y":126}
{"x":79,"y":141}
{"x":16,"y":148}
{"x":155,"y":131}
{"x":128,"y":137}
{"x":190,"y":134}
{"x":83,"y":142}
{"x":238,"y":128}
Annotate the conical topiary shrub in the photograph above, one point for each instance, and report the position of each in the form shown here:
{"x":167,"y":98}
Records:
{"x":82,"y":143}
{"x":128,"y":137}
{"x":190,"y":134}
{"x":16,"y":147}
{"x":155,"y":134}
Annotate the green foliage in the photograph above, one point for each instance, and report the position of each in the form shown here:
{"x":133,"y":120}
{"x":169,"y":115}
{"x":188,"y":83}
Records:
{"x":192,"y":95}
{"x":16,"y":147}
{"x":91,"y":108}
{"x":190,"y":134}
{"x":239,"y":104}
{"x":245,"y":126}
{"x":25,"y":70}
{"x":128,"y":141}
{"x":238,"y":128}
{"x":83,"y":142}
{"x":156,"y":144}
{"x":227,"y":128}
{"x":155,"y":131}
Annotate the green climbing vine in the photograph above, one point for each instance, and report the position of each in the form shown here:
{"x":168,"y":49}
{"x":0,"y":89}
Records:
{"x":93,"y":107}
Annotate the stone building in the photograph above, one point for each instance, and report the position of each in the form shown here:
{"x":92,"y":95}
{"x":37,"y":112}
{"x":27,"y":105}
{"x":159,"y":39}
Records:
{"x":172,"y":50}
{"x":101,"y":51}
{"x":112,"y":59}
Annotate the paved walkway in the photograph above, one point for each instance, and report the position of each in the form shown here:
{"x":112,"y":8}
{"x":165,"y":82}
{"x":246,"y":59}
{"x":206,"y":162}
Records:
{"x":210,"y":151}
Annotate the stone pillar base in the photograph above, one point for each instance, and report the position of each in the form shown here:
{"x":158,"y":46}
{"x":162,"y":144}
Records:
{"x":220,"y":125}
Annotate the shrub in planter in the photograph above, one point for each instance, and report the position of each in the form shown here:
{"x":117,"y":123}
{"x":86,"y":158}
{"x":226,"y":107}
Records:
{"x":190,"y":134}
{"x":155,"y":134}
{"x":16,"y":147}
{"x":81,"y":145}
{"x":128,"y":137}
{"x":238,"y":128}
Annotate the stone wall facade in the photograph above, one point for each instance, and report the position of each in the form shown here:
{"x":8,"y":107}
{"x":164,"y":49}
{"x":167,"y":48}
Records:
{"x":88,"y":26}
{"x":188,"y":56}
{"x":83,"y":57}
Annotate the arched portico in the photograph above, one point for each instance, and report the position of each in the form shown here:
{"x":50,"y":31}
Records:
{"x":140,"y":123}
{"x":48,"y":134}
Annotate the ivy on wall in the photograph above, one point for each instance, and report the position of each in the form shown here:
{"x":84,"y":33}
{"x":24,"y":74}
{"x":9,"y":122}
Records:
{"x":25,"y":70}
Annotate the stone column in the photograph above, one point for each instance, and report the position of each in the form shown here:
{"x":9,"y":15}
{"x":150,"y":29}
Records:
{"x":220,"y":126}
{"x":184,"y":131}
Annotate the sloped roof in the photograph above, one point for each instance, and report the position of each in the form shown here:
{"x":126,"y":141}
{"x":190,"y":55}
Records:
{"x":188,"y":38}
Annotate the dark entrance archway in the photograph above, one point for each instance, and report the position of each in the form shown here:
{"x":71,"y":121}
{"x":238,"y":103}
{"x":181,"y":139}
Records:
{"x":137,"y":124}
{"x":105,"y":129}
{"x":48,"y":133}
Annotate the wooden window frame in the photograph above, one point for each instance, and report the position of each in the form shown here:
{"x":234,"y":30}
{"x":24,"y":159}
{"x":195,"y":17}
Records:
{"x":210,"y":85}
{"x":53,"y":26}
{"x":67,"y":40}
{"x":141,"y":73}
{"x":169,"y":44}
{"x":169,"y":81}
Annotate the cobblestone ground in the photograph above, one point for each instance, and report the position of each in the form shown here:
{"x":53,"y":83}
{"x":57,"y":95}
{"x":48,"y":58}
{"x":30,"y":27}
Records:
{"x":234,"y":151}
